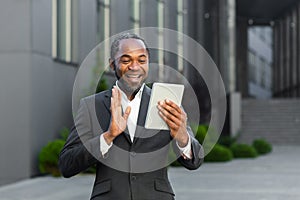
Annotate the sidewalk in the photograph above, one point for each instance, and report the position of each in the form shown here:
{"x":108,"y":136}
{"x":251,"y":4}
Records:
{"x":272,"y":177}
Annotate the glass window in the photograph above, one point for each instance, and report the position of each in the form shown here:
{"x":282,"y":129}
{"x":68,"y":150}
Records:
{"x":252,"y":66}
{"x":63,"y":35}
{"x":180,"y":13}
{"x":103,"y":27}
{"x":160,"y":7}
{"x":258,"y":71}
{"x":263,"y":73}
{"x":135,"y":14}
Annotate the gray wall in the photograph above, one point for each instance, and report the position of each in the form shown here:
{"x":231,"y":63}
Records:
{"x":35,"y":91}
{"x":51,"y":84}
{"x":15,"y":89}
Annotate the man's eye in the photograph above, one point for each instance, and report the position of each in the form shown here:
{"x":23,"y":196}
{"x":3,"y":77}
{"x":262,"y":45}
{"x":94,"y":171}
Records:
{"x":142,"y":61}
{"x":125,"y":61}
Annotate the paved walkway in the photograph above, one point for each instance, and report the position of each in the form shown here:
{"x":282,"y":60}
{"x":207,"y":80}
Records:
{"x":272,"y":177}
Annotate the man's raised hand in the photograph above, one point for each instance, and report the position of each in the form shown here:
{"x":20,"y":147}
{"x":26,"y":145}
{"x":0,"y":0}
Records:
{"x":118,"y":121}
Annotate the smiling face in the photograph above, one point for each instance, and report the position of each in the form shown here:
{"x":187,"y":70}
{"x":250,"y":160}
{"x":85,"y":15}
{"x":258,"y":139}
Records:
{"x":131,"y":65}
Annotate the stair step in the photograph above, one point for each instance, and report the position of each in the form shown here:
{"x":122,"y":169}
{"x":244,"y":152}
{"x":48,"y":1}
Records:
{"x":277,"y":120}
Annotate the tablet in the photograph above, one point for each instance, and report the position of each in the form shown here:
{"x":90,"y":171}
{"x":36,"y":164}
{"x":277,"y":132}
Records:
{"x":162,"y":91}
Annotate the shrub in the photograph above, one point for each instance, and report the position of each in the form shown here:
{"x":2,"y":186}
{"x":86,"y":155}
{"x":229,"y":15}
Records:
{"x":48,"y":157}
{"x":226,"y":141}
{"x":64,"y":133}
{"x":262,"y":146}
{"x":176,"y":164}
{"x":102,"y":85}
{"x":219,"y":153}
{"x":243,"y":151}
{"x":201,"y":133}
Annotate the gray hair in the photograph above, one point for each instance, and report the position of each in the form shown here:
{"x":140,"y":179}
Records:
{"x":115,"y":44}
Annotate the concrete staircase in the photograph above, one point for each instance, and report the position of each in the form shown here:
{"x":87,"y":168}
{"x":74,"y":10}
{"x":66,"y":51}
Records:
{"x":276,"y":120}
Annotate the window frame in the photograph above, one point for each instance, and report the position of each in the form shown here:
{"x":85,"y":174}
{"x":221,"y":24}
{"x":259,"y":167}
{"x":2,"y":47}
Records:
{"x":64,"y":43}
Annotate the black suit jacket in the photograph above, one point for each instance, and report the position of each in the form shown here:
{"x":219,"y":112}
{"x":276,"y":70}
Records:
{"x":130,"y":170}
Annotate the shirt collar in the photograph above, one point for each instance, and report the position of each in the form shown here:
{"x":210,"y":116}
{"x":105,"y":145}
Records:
{"x":138,"y":94}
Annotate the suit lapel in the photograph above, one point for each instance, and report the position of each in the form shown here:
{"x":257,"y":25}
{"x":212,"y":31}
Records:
{"x":144,"y":106}
{"x":142,"y":112}
{"x":107,"y":100}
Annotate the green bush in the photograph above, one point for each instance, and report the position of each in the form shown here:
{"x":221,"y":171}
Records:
{"x":243,"y":151}
{"x":219,"y":153}
{"x":226,"y":141}
{"x":175,"y":164}
{"x":48,"y":157}
{"x":102,"y":85}
{"x":262,"y":146}
{"x":201,"y":133}
{"x":64,"y":133}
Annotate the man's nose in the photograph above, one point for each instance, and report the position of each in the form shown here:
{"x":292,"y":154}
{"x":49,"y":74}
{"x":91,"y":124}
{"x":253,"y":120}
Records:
{"x":134,"y":66}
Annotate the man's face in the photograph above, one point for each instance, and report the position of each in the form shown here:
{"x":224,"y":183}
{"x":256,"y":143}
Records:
{"x":131,"y":62}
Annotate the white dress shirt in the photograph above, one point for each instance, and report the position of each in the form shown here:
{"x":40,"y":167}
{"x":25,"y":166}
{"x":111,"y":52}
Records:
{"x":132,"y":122}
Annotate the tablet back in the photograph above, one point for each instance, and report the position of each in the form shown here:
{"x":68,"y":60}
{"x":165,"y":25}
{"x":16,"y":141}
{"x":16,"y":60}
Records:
{"x":162,"y":91}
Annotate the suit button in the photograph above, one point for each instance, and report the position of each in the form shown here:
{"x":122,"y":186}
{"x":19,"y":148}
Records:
{"x":132,"y":153}
{"x":133,"y":178}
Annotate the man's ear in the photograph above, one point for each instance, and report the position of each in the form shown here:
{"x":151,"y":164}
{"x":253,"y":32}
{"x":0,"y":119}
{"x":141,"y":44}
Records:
{"x":112,"y":64}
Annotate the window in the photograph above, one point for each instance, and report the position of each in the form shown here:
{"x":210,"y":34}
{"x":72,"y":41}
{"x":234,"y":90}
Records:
{"x":160,"y":11}
{"x":135,"y":10}
{"x":268,"y":80}
{"x":252,"y":66}
{"x":103,"y":11}
{"x":263,"y":73}
{"x":180,"y":14}
{"x":64,"y":41}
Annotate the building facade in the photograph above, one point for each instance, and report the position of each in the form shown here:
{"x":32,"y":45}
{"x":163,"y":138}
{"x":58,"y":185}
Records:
{"x":43,"y":43}
{"x":286,"y":76}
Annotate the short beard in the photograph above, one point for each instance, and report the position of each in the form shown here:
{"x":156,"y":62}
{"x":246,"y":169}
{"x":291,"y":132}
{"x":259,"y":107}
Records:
{"x":129,"y":90}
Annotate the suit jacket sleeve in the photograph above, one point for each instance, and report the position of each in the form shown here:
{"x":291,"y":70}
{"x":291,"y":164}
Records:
{"x":197,"y":153}
{"x":81,"y":145}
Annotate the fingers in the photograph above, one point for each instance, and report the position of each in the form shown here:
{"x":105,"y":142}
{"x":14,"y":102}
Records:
{"x":116,"y":105}
{"x":115,"y":99}
{"x":172,"y":124}
{"x":127,"y":112}
{"x":167,"y":115}
{"x":171,"y":113}
{"x":173,"y":107}
{"x":119,"y":96}
{"x":118,"y":120}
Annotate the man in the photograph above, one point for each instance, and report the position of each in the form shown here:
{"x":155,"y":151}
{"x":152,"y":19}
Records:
{"x":131,"y":161}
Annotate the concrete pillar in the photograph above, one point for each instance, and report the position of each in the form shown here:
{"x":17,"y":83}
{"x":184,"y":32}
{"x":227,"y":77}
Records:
{"x":294,"y":53}
{"x":298,"y":50}
{"x":242,"y":72}
{"x":276,"y":64}
{"x":227,"y":47}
